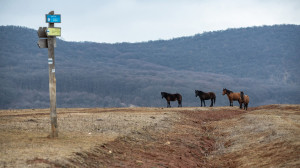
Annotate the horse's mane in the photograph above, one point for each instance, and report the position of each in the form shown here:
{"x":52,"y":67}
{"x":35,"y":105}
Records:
{"x":199,"y":91}
{"x":164,"y":93}
{"x":229,"y":91}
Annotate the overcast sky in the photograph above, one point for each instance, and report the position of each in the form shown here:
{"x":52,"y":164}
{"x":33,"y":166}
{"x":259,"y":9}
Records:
{"x":114,"y":21}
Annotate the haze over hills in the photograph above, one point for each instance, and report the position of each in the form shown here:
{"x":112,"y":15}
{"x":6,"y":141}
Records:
{"x":264,"y":62}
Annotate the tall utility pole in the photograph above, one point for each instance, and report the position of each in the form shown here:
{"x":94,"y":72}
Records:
{"x":48,"y":40}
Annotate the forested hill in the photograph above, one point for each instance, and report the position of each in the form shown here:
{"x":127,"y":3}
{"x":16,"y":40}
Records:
{"x":264,"y":62}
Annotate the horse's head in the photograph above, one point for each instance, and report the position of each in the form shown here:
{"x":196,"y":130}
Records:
{"x":224,"y":91}
{"x":162,"y":94}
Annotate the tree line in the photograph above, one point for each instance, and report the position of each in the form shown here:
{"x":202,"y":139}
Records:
{"x":262,"y":61}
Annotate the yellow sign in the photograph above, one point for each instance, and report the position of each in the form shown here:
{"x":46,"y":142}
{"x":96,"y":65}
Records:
{"x":56,"y":31}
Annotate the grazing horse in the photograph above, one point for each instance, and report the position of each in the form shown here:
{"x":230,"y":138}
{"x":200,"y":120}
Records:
{"x":244,"y":99}
{"x":172,"y":97}
{"x":205,"y":96}
{"x":231,"y":96}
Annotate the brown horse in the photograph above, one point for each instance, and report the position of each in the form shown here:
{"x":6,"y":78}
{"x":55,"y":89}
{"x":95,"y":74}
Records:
{"x":244,"y":99}
{"x":205,"y":96}
{"x":172,"y":97}
{"x":231,"y":96}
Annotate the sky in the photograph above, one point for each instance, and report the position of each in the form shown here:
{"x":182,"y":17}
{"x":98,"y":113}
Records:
{"x":116,"y":21}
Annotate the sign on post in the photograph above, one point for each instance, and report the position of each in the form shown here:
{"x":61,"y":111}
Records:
{"x":43,"y":43}
{"x":42,"y":32}
{"x":47,"y":39}
{"x":53,"y":18}
{"x":55,"y":31}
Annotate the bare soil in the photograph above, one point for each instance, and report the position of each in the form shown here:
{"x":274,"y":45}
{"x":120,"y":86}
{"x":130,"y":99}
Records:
{"x":265,"y":136}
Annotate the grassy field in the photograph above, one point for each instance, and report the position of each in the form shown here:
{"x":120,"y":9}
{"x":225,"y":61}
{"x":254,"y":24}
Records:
{"x":265,"y":136}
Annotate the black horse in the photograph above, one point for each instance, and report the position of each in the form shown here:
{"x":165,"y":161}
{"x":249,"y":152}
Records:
{"x":172,"y":97}
{"x":205,"y":96}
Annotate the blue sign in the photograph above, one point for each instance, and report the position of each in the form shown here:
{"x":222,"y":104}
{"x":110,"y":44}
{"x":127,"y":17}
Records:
{"x":53,"y":19}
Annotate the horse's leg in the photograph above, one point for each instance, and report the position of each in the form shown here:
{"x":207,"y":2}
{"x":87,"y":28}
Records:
{"x":204,"y":102}
{"x":169,"y":104}
{"x":201,"y":102}
{"x":179,"y":103}
{"x":211,"y":104}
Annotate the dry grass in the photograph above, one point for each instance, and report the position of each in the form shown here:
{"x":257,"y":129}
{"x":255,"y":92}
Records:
{"x":265,"y":137}
{"x":24,"y":133}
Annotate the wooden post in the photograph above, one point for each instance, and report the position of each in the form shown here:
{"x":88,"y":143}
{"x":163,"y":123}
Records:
{"x":52,"y":83}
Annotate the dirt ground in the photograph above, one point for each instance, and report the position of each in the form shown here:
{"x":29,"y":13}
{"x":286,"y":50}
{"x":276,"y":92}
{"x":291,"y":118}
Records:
{"x":265,"y":136}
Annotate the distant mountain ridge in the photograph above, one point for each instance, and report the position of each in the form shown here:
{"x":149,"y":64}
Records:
{"x":261,"y":61}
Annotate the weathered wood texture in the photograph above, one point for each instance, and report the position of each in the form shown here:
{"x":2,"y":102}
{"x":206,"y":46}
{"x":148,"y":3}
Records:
{"x":52,"y":84}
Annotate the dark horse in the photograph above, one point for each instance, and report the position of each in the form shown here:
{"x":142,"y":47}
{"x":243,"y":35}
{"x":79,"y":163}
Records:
{"x":172,"y":97}
{"x":205,"y":96}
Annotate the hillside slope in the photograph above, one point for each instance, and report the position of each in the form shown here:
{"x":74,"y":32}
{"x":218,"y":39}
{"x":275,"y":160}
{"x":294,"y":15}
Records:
{"x":261,"y":61}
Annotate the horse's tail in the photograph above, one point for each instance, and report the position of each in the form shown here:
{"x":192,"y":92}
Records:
{"x":179,"y":99}
{"x":215,"y":100}
{"x":214,"y":97}
{"x":242,"y":96}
